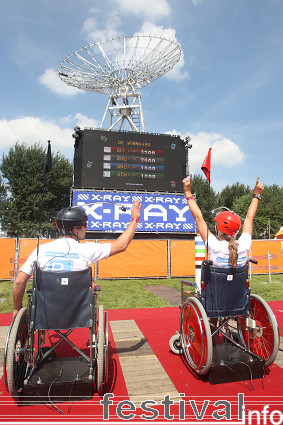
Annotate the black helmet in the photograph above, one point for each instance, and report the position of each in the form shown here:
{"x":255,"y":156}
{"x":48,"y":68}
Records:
{"x":69,"y":217}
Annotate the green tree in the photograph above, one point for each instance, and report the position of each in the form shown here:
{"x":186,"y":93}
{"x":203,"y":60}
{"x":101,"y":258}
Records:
{"x":227,"y":196}
{"x":271,"y":210}
{"x":269,"y":216}
{"x":3,"y":190}
{"x":205,"y":197}
{"x":33,"y":199}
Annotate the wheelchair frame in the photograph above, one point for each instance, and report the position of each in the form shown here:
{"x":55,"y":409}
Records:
{"x":25,"y":349}
{"x":255,"y":332}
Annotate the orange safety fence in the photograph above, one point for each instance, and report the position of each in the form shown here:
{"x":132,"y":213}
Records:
{"x":26,"y":247}
{"x":7,"y":249}
{"x":261,"y":250}
{"x":182,"y":254}
{"x":144,"y":258}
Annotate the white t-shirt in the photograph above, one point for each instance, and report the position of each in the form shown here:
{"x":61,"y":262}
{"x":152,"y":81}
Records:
{"x":218,"y":251}
{"x":66,"y":254}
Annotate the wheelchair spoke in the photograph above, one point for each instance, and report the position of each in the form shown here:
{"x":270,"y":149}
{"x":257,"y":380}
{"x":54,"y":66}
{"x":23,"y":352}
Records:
{"x":263,"y":333}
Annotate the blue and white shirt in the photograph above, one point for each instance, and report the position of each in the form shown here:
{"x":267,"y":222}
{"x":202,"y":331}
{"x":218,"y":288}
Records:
{"x":66,"y":254}
{"x":218,"y":251}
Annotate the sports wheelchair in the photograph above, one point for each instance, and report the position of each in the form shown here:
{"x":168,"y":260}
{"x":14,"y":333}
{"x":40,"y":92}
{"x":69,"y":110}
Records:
{"x":60,"y":302}
{"x":221,"y":317}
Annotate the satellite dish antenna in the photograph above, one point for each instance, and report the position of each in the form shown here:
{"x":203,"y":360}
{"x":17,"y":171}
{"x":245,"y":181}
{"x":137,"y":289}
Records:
{"x":120,"y":67}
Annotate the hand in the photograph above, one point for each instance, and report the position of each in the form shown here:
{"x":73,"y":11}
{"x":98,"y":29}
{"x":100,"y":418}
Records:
{"x":187,"y":182}
{"x":258,"y":189}
{"x":15,"y":312}
{"x":136,"y":209}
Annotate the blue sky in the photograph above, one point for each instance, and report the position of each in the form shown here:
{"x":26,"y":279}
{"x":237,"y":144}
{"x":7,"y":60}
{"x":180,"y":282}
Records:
{"x":226,"y":92}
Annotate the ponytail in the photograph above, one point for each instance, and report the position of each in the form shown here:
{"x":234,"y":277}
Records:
{"x":233,"y":248}
{"x":233,"y":252}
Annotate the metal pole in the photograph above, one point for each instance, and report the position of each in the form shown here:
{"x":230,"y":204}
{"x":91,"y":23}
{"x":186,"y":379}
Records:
{"x":269,"y":266}
{"x":168,"y":259}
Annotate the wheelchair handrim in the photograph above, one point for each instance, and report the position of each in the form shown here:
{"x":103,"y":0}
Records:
{"x":196,"y":336}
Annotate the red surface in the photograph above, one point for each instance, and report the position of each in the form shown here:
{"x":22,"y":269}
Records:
{"x":158,"y":325}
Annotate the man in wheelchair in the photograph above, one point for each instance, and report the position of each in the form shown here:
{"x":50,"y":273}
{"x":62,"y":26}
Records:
{"x":223,"y":299}
{"x":66,"y":253}
{"x":61,"y":300}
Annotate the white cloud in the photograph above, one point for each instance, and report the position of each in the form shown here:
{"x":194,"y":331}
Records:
{"x":109,"y":30}
{"x":83,"y":121}
{"x":99,"y":28}
{"x":225,"y":152}
{"x":149,"y":28}
{"x":177,"y":73}
{"x":152,"y":9}
{"x":51,"y":80}
{"x":30,"y":130}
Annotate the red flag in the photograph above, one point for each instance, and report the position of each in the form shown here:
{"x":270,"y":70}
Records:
{"x":206,"y":165}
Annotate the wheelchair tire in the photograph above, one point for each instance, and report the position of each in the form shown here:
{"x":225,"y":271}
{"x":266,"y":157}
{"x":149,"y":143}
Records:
{"x":105,"y":359}
{"x":175,"y":344}
{"x":264,"y":342}
{"x":17,"y":353}
{"x":100,"y":348}
{"x":196,"y":336}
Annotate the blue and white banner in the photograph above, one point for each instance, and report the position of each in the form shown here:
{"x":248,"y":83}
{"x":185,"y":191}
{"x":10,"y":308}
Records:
{"x":111,"y":212}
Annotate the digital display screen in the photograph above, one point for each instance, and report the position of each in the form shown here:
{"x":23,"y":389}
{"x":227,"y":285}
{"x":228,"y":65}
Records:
{"x":130,"y":161}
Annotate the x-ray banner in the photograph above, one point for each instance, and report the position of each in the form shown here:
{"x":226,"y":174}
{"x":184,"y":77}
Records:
{"x":111,"y":212}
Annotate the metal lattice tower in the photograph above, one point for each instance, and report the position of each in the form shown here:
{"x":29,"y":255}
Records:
{"x":120,"y":67}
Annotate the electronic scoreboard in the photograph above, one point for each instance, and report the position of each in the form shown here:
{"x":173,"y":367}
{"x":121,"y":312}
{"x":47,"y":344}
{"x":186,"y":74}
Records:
{"x":129,"y":161}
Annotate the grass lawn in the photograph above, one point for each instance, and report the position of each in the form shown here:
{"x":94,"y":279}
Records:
{"x":130,"y":293}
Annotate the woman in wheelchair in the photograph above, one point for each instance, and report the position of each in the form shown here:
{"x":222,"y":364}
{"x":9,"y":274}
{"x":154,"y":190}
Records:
{"x":223,"y":249}
{"x":221,"y":304}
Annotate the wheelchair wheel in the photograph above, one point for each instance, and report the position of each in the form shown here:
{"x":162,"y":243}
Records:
{"x":100,"y":347}
{"x":264,"y":339}
{"x":196,"y":336}
{"x":175,"y":344}
{"x":105,"y":359}
{"x":17,"y":354}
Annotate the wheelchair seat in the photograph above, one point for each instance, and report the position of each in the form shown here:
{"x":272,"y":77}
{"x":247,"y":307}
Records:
{"x":225,"y":291}
{"x":62,"y":299}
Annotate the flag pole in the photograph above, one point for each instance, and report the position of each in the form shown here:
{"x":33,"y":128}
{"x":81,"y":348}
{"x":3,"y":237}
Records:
{"x":206,"y":168}
{"x":209,"y":207}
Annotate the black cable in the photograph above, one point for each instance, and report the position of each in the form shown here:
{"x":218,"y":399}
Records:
{"x":251,"y":379}
{"x":56,"y":379}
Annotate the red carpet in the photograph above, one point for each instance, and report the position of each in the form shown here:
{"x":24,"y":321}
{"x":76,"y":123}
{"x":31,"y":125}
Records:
{"x":201,"y":400}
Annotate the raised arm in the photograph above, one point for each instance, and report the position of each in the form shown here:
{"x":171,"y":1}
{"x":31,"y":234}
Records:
{"x":194,"y":208}
{"x":123,"y":241}
{"x":248,"y":224}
